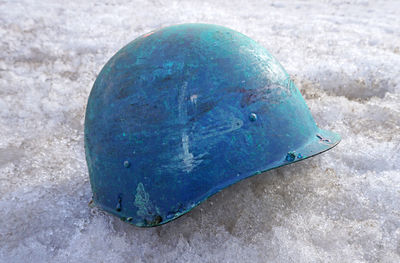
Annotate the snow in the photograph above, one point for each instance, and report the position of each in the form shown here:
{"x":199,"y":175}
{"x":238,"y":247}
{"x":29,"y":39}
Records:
{"x":341,"y":206}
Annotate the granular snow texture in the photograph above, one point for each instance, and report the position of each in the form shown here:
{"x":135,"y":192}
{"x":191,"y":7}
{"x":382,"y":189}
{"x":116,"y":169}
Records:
{"x":341,"y":206}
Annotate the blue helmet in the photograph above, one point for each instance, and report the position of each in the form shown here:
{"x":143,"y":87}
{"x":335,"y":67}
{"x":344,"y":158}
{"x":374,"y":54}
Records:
{"x":180,"y":113}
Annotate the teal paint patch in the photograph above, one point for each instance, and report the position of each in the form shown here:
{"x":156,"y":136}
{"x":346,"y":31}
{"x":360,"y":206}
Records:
{"x":146,"y":210}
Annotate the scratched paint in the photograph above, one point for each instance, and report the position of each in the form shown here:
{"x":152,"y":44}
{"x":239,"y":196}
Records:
{"x":175,"y":104}
{"x":146,"y":212}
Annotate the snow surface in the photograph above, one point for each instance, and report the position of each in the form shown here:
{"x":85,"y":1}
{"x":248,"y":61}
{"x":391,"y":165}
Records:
{"x":341,"y":206}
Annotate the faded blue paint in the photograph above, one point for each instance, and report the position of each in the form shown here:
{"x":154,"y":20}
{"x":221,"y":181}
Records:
{"x":183,"y":112}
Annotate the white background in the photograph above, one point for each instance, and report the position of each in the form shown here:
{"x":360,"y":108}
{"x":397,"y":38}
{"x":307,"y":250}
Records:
{"x":341,"y":206}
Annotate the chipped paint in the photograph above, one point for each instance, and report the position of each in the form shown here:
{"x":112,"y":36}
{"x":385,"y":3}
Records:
{"x":193,"y":98}
{"x":142,"y":201}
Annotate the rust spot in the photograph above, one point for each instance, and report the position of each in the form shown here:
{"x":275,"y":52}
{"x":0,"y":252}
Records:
{"x":148,"y":34}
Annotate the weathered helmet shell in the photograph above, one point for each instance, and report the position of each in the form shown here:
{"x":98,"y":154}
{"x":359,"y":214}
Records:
{"x":183,"y":112}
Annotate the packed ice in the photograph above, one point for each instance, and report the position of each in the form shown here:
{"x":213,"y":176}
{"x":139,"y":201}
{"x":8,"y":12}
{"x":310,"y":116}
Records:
{"x":341,"y":206}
